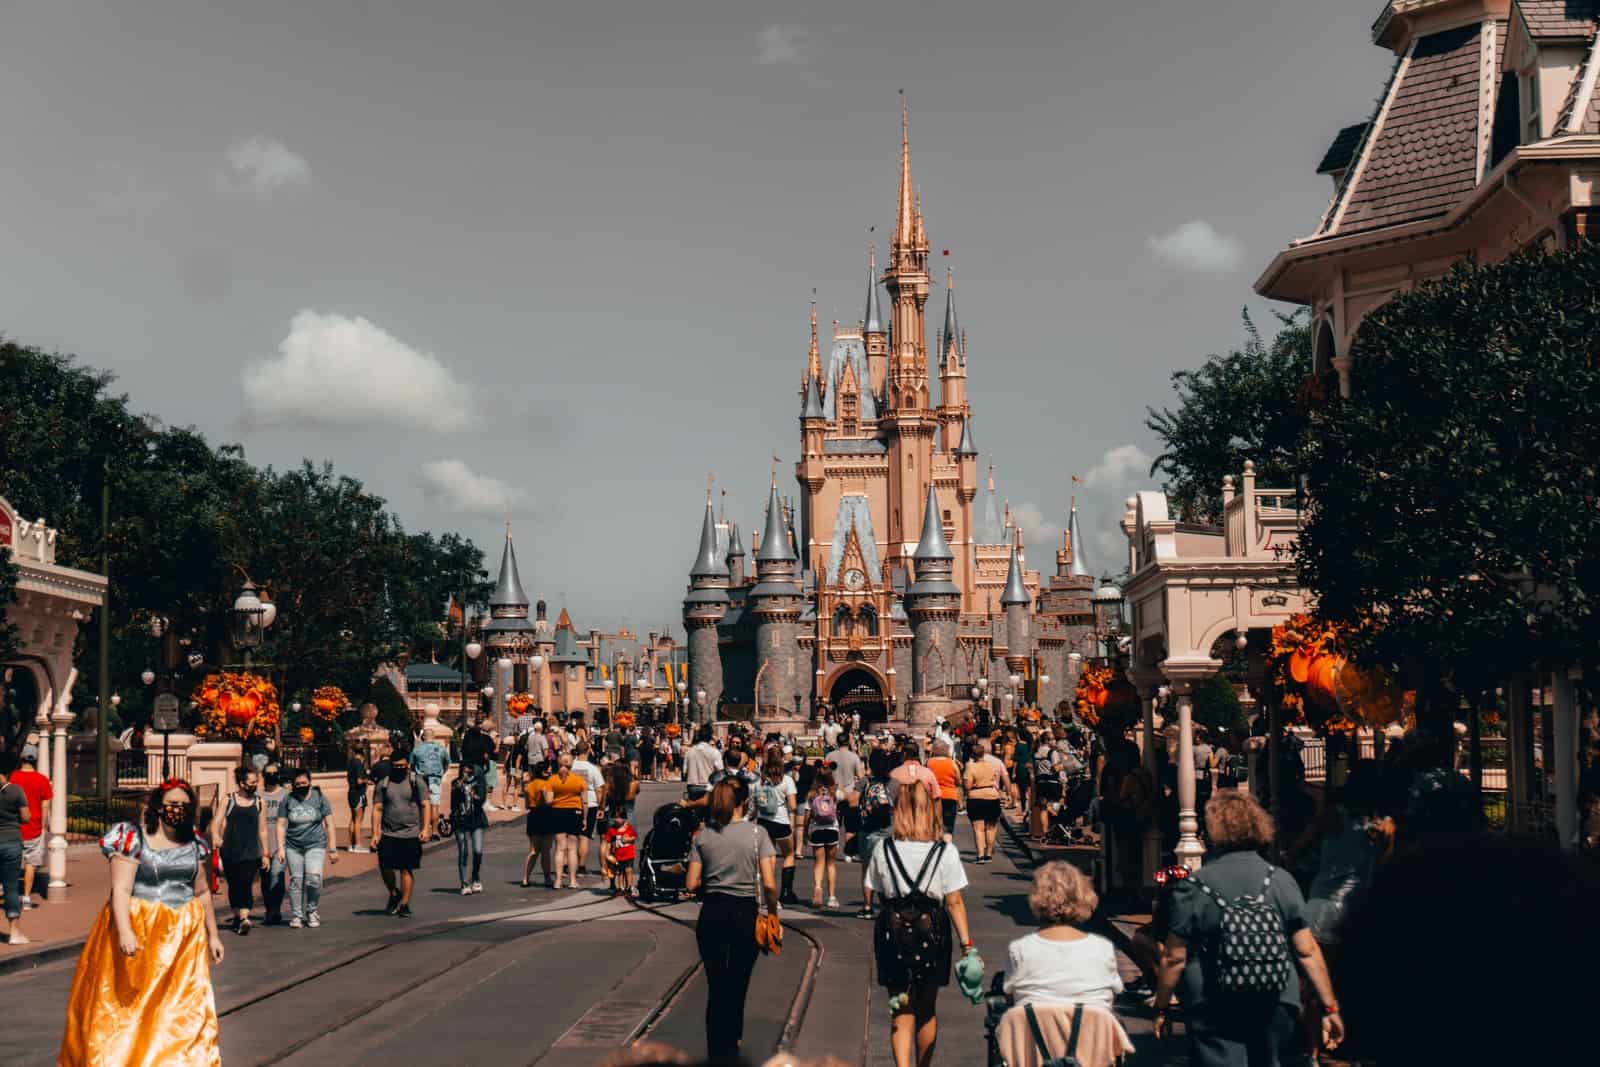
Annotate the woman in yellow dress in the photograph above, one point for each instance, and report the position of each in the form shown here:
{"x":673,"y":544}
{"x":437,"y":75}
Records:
{"x":142,"y":993}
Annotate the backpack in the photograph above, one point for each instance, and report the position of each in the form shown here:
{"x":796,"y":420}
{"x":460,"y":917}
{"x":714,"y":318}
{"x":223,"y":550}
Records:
{"x":769,"y":801}
{"x":1249,"y":951}
{"x":913,"y":929}
{"x":876,"y":808}
{"x":1045,"y":1059}
{"x":824,"y":809}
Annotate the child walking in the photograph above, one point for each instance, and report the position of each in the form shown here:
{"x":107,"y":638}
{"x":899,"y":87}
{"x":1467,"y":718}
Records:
{"x":617,"y":853}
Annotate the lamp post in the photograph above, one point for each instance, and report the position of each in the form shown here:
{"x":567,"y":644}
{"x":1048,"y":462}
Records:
{"x":610,"y":684}
{"x":682,"y":708}
{"x":1107,"y":602}
{"x":700,"y":697}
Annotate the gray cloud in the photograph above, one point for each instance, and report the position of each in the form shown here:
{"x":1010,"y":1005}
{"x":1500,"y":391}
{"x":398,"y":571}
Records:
{"x":782,"y":44}
{"x":264,"y":165}
{"x":1197,"y":246}
{"x":456,"y":487}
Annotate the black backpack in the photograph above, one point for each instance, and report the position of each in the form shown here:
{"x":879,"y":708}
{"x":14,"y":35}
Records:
{"x":1250,"y":950}
{"x":914,"y":929}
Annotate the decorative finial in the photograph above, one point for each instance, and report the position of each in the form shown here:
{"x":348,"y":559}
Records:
{"x":775,"y":462}
{"x":711,"y":479}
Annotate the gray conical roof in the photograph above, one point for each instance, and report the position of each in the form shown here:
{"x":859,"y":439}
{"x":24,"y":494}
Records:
{"x":952,"y":331}
{"x":708,"y":563}
{"x":735,"y":544}
{"x":1015,"y":592}
{"x":873,"y":317}
{"x":966,"y":447}
{"x":931,"y":544}
{"x":1079,"y":567}
{"x":508,"y":587}
{"x":812,"y":408}
{"x":566,"y":651}
{"x":775,"y":535}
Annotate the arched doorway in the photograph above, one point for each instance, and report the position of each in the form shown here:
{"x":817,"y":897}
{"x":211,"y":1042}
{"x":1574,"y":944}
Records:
{"x":859,"y":689}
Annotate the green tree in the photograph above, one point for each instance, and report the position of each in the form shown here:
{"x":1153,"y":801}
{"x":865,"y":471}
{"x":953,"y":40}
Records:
{"x":1245,"y":405}
{"x":1217,"y":705}
{"x":9,"y":638}
{"x":393,"y":714}
{"x":1455,"y":520}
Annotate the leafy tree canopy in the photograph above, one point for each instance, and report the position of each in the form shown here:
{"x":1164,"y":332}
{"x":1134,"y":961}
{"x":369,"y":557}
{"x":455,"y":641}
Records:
{"x":190,"y":520}
{"x":1245,"y":405}
{"x":1455,"y":520}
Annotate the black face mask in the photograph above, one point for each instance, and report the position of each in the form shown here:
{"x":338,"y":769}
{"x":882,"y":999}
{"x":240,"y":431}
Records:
{"x":398,"y":774}
{"x":301,"y":792}
{"x":271,"y":780}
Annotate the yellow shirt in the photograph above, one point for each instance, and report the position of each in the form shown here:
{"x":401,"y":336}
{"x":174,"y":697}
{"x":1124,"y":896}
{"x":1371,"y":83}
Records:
{"x":534,"y":791}
{"x":566,"y":791}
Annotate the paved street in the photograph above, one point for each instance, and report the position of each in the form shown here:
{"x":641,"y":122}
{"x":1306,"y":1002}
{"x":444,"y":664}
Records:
{"x":515,"y":976}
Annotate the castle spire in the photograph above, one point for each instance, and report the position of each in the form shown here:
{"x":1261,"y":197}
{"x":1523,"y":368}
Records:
{"x":814,"y":355}
{"x":873,"y":322}
{"x":1080,"y":566}
{"x":965,"y":447}
{"x":508,"y":587}
{"x":775,"y":546}
{"x":1015,"y":591}
{"x":931,"y":544}
{"x":992,"y":532}
{"x":708,"y":562}
{"x":905,"y":217}
{"x":952,"y":332}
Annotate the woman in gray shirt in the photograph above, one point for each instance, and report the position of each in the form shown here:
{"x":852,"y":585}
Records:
{"x":731,"y":858}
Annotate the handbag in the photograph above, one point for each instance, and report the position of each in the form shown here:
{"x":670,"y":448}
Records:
{"x":769,"y":931}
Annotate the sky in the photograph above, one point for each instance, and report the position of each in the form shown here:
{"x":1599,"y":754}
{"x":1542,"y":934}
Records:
{"x":553,"y":261}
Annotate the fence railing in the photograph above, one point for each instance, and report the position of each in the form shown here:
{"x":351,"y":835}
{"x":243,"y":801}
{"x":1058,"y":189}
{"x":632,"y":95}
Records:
{"x":142,"y":767}
{"x":91,"y":816}
{"x":316,"y":758}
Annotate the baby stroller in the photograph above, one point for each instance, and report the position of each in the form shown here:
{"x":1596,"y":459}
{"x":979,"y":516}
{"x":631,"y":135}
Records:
{"x":1067,"y":797}
{"x":664,"y":855}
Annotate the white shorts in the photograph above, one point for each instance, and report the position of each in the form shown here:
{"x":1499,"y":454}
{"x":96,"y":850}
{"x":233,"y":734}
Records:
{"x":33,"y":852}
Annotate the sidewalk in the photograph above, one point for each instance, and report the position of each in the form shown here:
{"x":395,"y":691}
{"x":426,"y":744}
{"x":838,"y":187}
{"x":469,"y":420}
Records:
{"x":58,"y":927}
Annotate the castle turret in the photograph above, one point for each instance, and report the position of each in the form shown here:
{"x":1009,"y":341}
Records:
{"x":776,"y":603}
{"x":952,"y":372}
{"x":933,"y":606}
{"x":1015,"y":602}
{"x":874,"y":334}
{"x":703,"y":609}
{"x":735,"y":556}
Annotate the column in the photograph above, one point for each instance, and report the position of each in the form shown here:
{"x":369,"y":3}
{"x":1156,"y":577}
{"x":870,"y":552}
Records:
{"x":1189,"y":848}
{"x":56,"y":862}
{"x":1146,"y":682}
{"x":1565,"y":763}
{"x":1519,"y":754}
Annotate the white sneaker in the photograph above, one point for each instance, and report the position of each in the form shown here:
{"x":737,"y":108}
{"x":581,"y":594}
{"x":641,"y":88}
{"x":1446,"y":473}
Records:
{"x":295,"y":923}
{"x":833,"y":902}
{"x":314,"y":921}
{"x":18,"y":939}
{"x":360,"y":850}
{"x":28,"y":904}
{"x":466,"y":890}
{"x":489,"y":805}
{"x":477,"y":887}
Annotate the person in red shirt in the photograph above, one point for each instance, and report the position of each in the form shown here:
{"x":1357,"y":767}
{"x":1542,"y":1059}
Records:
{"x":37,"y":787}
{"x":618,"y":854}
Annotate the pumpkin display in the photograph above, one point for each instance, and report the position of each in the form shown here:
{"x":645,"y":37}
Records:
{"x":329,"y":702}
{"x":237,"y":705}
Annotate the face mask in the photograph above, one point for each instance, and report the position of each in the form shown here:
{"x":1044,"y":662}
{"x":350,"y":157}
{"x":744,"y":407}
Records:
{"x":271,"y":780}
{"x":398,"y":774}
{"x":301,"y":792}
{"x":177,"y":814}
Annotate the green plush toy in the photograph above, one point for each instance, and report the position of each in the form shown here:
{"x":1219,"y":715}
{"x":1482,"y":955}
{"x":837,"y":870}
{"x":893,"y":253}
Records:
{"x":969,"y":975}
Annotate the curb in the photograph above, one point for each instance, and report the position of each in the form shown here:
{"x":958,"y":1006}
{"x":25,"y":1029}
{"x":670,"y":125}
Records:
{"x":34,"y":958}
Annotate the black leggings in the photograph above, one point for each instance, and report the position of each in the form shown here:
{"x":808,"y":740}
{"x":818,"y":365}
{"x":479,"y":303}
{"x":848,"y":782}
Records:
{"x":726,"y":934}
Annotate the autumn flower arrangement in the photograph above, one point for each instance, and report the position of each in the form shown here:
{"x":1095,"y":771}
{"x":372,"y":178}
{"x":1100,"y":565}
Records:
{"x":237,"y":704}
{"x":1319,"y":685}
{"x":519,"y":703}
{"x":329,"y":702}
{"x":623,"y":720}
{"x":1094,"y":690}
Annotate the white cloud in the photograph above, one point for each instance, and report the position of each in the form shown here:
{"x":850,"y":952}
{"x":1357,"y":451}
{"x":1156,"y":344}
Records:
{"x":1196,"y":245}
{"x":334,"y":370}
{"x":1118,"y":467}
{"x":453,"y":485}
{"x":1040,"y":533}
{"x":782,"y":44}
{"x":263,"y":165}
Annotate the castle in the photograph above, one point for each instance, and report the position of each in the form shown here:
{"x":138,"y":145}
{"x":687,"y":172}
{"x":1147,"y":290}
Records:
{"x":878,"y":590}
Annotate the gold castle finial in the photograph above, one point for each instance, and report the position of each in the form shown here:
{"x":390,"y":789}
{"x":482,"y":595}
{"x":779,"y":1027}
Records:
{"x":905,"y":227}
{"x":814,"y":356}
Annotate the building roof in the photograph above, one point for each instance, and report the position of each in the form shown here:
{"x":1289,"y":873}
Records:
{"x":951,"y":333}
{"x":1421,"y":151}
{"x":965,"y":447}
{"x":708,"y":562}
{"x":735,"y":545}
{"x":1080,"y":566}
{"x":854,"y":446}
{"x":432,"y":674}
{"x":1015,"y":592}
{"x":566,"y":650}
{"x":872,"y":318}
{"x":775,"y":546}
{"x":812,"y":407}
{"x":1560,"y":19}
{"x":849,"y":349}
{"x":1343,"y":149}
{"x":854,"y":513}
{"x":508,"y":587}
{"x":991,"y":531}
{"x":931,"y":543}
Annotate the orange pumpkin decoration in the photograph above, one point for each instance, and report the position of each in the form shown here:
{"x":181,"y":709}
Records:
{"x":307,"y":735}
{"x":1320,"y":680}
{"x":1300,"y":665}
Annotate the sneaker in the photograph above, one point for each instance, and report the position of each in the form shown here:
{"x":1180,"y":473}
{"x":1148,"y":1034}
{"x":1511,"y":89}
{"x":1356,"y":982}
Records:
{"x":360,"y":850}
{"x":833,"y":902}
{"x":404,"y":911}
{"x":477,"y":887}
{"x":466,"y":890}
{"x":295,"y":923}
{"x":28,"y":904}
{"x":314,"y":921}
{"x":243,"y":929}
{"x":394,"y":902}
{"x":18,"y":939}
{"x":864,"y":913}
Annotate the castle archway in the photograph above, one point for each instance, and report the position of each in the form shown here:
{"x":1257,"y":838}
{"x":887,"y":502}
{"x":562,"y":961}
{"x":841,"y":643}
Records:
{"x":856,"y":687}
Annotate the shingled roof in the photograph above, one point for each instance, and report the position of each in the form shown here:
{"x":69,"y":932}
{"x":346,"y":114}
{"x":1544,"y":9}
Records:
{"x":1560,"y":19}
{"x":1424,"y":142}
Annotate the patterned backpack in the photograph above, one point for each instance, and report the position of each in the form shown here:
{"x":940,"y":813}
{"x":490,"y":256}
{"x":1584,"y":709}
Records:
{"x":1250,"y":951}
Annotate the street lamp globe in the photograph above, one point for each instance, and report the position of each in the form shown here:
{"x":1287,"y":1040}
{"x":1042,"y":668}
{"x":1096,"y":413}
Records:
{"x":503,"y":663}
{"x":700,"y":695}
{"x":269,"y":613}
{"x":983,"y":683}
{"x":248,"y":611}
{"x":974,"y":691}
{"x":295,"y":707}
{"x":609,"y":684}
{"x":683,"y":687}
{"x":488,"y":692}
{"x":148,"y":677}
{"x":537,"y":663}
{"x":116,"y":699}
{"x":1074,"y":659}
{"x":1044,"y":679}
{"x":474,"y":650}
{"x":1016,"y":679}
{"x":1242,"y":642}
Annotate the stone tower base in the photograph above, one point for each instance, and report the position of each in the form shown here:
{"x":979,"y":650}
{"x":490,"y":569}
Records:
{"x":927,"y":707}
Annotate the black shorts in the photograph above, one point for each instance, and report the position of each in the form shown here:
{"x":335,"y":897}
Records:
{"x":983,"y":810}
{"x":778,"y":831}
{"x":358,"y":798}
{"x":591,"y":820}
{"x":947,"y":808}
{"x":822,"y":836}
{"x":566,"y":821}
{"x":399,"y":853}
{"x":538,"y":822}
